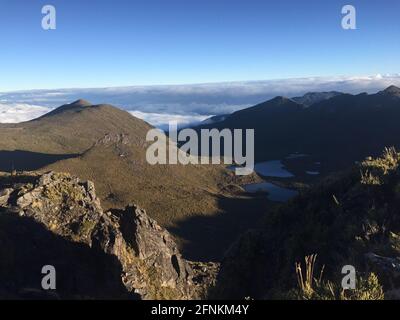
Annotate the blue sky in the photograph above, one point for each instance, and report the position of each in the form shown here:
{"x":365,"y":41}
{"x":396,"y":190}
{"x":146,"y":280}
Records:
{"x":118,"y":43}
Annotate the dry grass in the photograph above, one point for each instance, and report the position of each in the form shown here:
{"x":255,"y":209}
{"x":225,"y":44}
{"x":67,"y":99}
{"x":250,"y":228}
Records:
{"x":171,"y":194}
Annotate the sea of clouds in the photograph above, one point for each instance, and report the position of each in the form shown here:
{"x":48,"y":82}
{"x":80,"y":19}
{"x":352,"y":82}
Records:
{"x":19,"y":112}
{"x":186,"y":104}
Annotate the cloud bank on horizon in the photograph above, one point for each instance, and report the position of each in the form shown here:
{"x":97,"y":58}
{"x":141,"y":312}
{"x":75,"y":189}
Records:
{"x":161,"y":120}
{"x":20,"y":112}
{"x":183,"y":103}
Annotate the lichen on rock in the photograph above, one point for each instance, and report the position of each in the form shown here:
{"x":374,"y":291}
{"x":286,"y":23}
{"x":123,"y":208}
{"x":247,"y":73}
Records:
{"x":127,"y":250}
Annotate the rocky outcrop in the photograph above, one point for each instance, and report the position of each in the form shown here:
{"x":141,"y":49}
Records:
{"x":114,"y":254}
{"x":110,"y":139}
{"x":5,"y":195}
{"x":152,"y":264}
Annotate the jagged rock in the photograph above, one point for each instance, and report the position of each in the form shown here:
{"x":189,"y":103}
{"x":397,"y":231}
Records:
{"x":125,"y":248}
{"x":28,"y":198}
{"x":149,"y":255}
{"x":4,"y":196}
{"x":205,"y":276}
{"x":63,"y":203}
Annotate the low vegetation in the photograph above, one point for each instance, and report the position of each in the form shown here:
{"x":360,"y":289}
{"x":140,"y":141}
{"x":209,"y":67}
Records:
{"x":351,"y":218}
{"x":108,"y":146}
{"x":316,"y":288}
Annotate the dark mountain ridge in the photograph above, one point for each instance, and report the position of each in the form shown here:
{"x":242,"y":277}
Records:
{"x":311,"y":98}
{"x":392,"y":90}
{"x":337,"y":131}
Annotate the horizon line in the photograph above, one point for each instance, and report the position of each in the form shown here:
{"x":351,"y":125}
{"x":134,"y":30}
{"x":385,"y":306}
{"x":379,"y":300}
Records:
{"x":335,"y":77}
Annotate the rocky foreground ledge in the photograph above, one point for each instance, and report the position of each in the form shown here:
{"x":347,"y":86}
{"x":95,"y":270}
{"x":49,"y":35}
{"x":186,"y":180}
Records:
{"x":56,"y":219}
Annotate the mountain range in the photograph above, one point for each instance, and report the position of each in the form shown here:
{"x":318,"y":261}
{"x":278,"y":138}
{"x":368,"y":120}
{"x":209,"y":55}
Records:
{"x":336,"y":129}
{"x":77,"y":178}
{"x":108,"y":146}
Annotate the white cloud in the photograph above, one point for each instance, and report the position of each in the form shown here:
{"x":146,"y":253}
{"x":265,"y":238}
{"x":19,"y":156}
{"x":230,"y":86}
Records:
{"x":16,"y":112}
{"x":188,"y":103}
{"x":161,"y":120}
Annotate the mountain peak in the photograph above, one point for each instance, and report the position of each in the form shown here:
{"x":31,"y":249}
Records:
{"x":392,"y":90}
{"x":280,"y":99}
{"x":80,"y":103}
{"x":76,"y":105}
{"x":311,"y":98}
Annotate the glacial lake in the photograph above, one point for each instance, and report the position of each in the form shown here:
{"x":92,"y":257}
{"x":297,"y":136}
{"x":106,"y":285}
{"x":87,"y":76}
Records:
{"x":274,"y":192}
